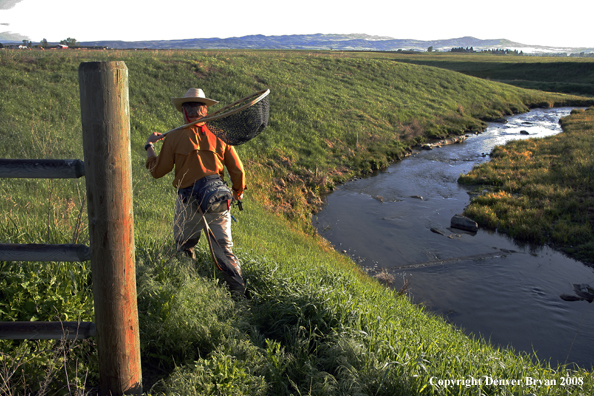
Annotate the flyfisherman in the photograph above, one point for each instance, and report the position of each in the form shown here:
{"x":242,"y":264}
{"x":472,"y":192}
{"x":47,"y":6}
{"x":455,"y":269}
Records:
{"x":199,"y":159}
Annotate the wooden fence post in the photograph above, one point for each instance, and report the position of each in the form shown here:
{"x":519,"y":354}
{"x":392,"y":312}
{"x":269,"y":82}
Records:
{"x":105,"y":118}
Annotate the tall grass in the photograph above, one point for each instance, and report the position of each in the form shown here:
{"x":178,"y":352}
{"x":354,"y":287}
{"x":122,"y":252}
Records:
{"x":315,"y":323}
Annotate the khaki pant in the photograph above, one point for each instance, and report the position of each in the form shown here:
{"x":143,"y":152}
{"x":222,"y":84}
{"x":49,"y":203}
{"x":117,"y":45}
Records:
{"x":187,"y":227}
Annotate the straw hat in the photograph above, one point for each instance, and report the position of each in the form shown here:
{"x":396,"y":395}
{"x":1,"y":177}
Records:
{"x":193,"y":95}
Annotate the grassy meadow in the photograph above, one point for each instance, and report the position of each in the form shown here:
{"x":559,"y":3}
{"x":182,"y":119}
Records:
{"x":315,"y":325}
{"x":571,"y":75}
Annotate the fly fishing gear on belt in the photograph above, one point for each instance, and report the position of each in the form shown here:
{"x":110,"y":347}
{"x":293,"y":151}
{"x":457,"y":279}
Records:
{"x":211,"y":193}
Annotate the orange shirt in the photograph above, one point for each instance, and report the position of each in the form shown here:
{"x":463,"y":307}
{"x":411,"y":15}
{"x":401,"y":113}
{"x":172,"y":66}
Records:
{"x":196,"y":154}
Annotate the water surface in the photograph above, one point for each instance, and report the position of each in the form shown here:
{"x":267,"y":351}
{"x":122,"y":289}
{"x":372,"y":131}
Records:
{"x":485,"y":283}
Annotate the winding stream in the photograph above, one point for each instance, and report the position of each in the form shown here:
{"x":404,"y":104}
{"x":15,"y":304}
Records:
{"x":485,"y":283}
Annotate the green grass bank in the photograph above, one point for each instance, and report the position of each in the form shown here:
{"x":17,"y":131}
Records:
{"x":541,"y":190}
{"x":316,"y":324}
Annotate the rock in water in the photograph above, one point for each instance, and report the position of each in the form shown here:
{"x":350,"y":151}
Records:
{"x":438,"y":231}
{"x":584,"y":291}
{"x":569,"y":297}
{"x":463,"y":223}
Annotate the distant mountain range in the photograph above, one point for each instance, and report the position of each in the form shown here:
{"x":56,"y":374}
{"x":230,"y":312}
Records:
{"x":342,"y":42}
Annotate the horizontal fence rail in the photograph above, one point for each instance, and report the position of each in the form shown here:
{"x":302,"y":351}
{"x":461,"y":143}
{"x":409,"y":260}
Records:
{"x":46,"y":169}
{"x":46,"y":330}
{"x":40,"y":252}
{"x":41,"y":168}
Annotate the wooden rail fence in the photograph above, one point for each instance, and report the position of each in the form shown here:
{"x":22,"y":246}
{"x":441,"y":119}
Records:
{"x":107,"y":168}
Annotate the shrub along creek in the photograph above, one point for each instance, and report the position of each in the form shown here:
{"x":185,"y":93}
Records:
{"x":398,"y":224}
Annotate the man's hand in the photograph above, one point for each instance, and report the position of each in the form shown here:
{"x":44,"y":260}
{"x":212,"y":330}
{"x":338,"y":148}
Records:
{"x":237,"y":196}
{"x":154,"y":137}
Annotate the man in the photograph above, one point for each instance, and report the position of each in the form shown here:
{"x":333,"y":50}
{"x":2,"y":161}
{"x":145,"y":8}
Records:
{"x":199,"y":159}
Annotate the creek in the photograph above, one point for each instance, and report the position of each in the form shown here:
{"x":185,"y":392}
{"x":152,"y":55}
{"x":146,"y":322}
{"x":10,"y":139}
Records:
{"x":485,"y":283}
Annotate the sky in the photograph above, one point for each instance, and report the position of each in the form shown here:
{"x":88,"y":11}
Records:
{"x":527,"y":22}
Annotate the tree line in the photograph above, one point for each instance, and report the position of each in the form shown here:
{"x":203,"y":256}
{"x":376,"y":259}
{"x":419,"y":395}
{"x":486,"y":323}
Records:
{"x":70,"y":42}
{"x":489,"y":51}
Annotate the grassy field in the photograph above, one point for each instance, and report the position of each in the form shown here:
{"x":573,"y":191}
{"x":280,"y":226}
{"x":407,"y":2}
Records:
{"x":316,"y":324}
{"x":559,"y":74}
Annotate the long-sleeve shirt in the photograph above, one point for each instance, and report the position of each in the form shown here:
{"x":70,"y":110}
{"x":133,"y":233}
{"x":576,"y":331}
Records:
{"x":196,"y":152}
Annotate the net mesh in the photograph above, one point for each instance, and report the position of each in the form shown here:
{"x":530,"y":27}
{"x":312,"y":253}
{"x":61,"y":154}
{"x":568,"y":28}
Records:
{"x":243,"y":125}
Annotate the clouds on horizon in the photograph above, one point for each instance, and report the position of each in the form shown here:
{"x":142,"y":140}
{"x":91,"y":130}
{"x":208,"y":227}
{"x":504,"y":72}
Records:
{"x":8,"y":4}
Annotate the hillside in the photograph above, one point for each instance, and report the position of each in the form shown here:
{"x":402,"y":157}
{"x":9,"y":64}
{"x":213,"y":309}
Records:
{"x":315,"y":324}
{"x":573,"y":75}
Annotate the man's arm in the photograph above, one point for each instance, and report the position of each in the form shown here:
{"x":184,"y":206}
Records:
{"x":236,"y":171}
{"x":160,"y":165}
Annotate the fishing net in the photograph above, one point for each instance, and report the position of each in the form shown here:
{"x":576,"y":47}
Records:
{"x":239,"y":122}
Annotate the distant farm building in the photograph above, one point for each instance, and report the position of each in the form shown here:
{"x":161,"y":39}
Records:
{"x":15,"y":46}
